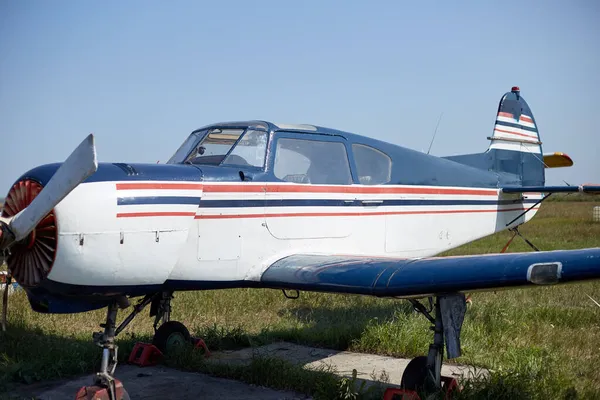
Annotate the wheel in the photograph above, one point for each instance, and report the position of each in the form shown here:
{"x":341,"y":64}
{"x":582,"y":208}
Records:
{"x":170,"y":336}
{"x":415,"y":374}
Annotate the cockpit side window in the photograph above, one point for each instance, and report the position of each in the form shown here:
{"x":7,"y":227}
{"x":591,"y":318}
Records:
{"x":312,"y":161}
{"x":373,"y":166}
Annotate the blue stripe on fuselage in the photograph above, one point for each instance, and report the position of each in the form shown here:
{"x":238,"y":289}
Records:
{"x":354,"y":203}
{"x":126,"y":201}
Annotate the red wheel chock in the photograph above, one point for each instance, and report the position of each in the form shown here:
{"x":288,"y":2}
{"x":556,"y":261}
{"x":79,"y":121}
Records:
{"x":449,"y":386}
{"x":145,"y":354}
{"x":198,"y":342}
{"x":96,"y":392}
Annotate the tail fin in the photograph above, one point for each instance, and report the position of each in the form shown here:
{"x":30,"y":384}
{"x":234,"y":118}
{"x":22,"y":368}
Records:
{"x":515,"y":151}
{"x":515,"y":128}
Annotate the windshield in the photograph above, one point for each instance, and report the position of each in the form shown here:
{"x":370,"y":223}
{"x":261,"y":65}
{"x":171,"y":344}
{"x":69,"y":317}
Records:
{"x":216,"y":147}
{"x":186,"y":147}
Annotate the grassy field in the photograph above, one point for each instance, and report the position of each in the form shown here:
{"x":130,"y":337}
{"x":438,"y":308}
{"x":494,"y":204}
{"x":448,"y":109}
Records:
{"x":540,"y":343}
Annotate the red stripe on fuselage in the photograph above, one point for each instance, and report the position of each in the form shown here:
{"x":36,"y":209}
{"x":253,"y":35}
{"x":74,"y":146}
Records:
{"x":307,"y":188}
{"x":352,"y":214}
{"x":149,"y":185}
{"x":505,"y":114}
{"x":156,"y":214}
{"x":303,"y":188}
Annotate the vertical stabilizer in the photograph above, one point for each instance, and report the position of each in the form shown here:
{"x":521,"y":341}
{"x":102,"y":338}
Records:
{"x":515,"y":128}
{"x":515,"y":145}
{"x":515,"y":148}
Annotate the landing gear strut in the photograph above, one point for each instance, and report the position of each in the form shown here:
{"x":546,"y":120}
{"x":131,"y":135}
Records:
{"x":161,"y":308}
{"x":425,"y":373}
{"x":106,"y":386}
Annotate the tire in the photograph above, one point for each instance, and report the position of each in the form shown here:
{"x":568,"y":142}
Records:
{"x":171,"y":336}
{"x":415,"y":374}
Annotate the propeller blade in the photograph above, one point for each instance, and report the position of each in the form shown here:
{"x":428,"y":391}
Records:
{"x":77,"y":167}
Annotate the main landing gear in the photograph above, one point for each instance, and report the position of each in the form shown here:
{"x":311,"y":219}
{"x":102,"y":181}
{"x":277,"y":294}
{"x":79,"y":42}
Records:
{"x":170,"y":334}
{"x":167,"y":337}
{"x":424,"y":373}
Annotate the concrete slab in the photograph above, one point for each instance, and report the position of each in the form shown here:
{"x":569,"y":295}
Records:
{"x":161,"y":383}
{"x":369,"y":367}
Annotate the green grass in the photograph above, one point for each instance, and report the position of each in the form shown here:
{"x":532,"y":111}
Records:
{"x":569,"y":197}
{"x":536,"y":341}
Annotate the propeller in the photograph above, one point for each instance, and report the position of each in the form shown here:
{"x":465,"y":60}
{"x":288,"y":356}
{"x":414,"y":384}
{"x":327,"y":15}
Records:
{"x":77,"y":167}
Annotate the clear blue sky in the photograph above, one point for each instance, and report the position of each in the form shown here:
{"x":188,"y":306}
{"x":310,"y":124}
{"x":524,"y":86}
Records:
{"x":142,"y":75}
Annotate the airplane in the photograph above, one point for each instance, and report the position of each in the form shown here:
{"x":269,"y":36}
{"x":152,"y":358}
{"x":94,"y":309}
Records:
{"x":293,"y":207}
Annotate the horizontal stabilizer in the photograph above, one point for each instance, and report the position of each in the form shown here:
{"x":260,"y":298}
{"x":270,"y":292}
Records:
{"x":589,"y":189}
{"x":557,"y":160}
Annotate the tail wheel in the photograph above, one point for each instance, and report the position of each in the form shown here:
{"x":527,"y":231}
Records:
{"x":32,"y":258}
{"x":171,"y":336}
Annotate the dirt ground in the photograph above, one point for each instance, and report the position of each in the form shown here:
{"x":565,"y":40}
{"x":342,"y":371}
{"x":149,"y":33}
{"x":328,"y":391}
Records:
{"x":160,"y":383}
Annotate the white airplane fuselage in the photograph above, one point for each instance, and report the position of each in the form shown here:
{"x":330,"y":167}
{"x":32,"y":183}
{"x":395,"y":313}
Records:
{"x":233,"y":231}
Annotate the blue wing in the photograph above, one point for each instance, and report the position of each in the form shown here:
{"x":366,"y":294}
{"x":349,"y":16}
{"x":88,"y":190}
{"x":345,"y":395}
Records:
{"x":590,"y":189}
{"x":401,"y":277}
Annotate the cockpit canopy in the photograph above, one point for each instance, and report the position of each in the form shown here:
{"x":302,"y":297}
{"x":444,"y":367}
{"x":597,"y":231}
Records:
{"x":298,"y":153}
{"x":244,"y":146}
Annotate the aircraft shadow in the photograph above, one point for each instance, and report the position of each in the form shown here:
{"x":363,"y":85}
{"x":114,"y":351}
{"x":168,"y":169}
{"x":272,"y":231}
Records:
{"x":335,"y":327}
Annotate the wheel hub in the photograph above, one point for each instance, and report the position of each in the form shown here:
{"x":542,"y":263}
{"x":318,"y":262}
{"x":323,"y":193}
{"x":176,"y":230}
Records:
{"x":175,"y":340}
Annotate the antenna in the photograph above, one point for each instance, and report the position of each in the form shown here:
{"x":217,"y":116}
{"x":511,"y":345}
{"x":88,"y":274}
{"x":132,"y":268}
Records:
{"x":435,"y":132}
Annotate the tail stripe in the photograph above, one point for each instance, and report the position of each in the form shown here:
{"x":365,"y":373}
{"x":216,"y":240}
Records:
{"x":514,"y":133}
{"x":526,"y":119}
{"x":509,"y":118}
